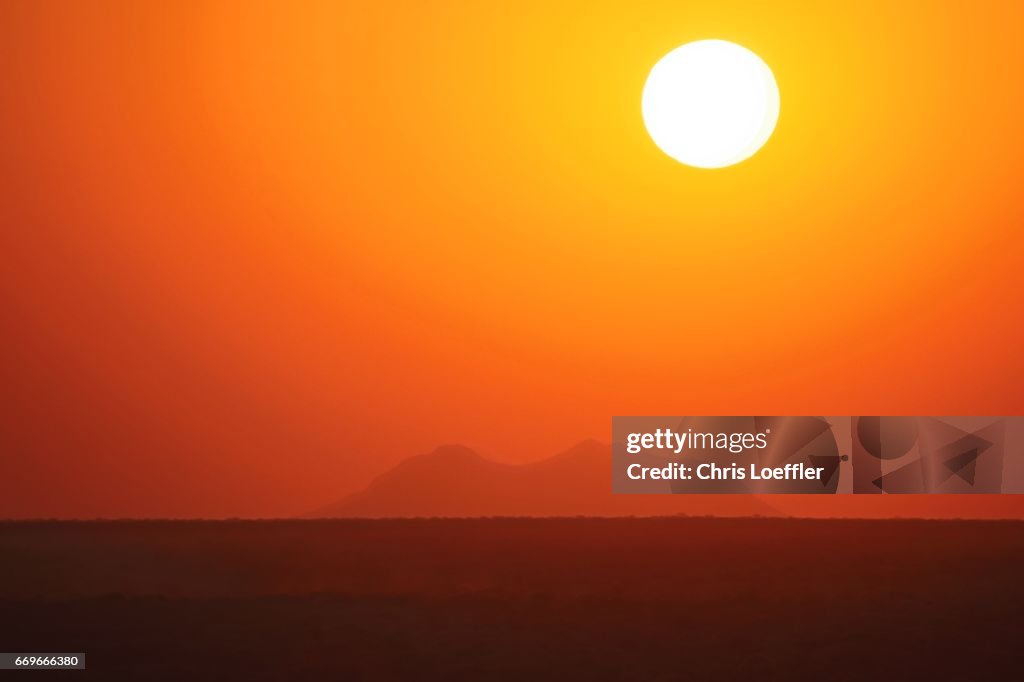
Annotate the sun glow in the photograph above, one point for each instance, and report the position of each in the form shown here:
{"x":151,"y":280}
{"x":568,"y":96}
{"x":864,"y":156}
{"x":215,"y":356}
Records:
{"x":710,"y":103}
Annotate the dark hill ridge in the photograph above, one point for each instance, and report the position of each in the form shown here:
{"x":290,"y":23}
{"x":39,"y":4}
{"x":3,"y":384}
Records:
{"x":455,"y":481}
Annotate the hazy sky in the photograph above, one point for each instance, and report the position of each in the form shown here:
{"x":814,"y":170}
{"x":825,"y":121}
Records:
{"x":250,"y":261}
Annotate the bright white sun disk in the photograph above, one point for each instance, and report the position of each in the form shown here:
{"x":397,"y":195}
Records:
{"x":710,"y":103}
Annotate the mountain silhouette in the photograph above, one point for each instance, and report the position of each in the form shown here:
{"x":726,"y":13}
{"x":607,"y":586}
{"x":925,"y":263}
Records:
{"x":455,"y":481}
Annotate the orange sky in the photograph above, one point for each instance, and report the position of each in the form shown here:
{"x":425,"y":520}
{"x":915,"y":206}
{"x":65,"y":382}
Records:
{"x":252,"y":260}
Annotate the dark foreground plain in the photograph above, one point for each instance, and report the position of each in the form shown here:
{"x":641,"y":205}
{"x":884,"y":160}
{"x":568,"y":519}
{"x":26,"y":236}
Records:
{"x":519,"y":599}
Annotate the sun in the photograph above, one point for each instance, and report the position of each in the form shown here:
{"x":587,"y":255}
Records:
{"x":710,"y":103}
